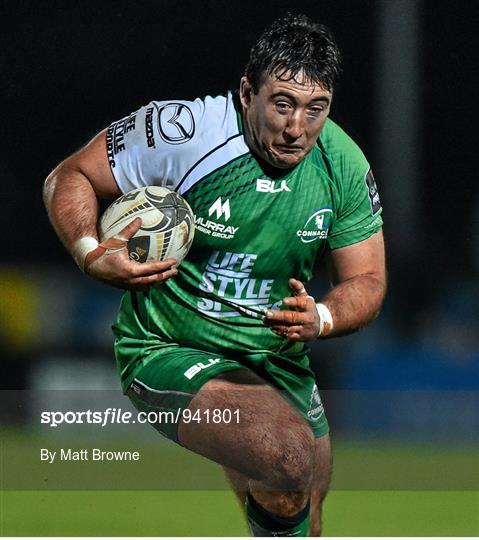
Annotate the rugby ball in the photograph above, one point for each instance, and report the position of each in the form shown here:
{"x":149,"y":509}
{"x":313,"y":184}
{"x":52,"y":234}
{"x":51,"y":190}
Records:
{"x":168,"y":223}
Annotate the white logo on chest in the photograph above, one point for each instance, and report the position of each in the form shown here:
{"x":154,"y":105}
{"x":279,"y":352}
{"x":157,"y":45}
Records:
{"x":269,"y":186}
{"x":222,"y":211}
{"x":220,"y":208}
{"x":316,"y":226}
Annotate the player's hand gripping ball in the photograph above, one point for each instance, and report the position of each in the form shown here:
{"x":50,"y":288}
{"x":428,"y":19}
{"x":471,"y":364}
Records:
{"x":167,"y":228}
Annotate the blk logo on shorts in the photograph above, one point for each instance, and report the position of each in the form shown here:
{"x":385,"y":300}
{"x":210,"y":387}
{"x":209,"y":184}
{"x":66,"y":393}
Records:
{"x":196,"y":368}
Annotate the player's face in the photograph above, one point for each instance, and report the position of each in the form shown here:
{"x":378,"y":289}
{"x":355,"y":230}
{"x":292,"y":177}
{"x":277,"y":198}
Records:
{"x":284,"y":119}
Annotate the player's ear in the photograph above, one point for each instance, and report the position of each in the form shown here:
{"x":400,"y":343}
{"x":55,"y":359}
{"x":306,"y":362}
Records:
{"x":246,"y":90}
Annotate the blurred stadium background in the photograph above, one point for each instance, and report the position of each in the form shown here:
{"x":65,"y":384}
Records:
{"x":402,"y":396}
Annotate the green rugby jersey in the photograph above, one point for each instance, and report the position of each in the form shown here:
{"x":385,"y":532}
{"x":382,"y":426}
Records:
{"x":256,"y":226}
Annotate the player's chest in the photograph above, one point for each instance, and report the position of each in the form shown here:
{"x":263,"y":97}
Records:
{"x":241,"y":205}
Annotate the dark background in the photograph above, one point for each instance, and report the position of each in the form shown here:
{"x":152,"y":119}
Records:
{"x":70,"y":68}
{"x":401,"y":396}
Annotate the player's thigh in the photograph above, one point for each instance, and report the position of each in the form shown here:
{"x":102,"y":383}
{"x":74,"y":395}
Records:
{"x":169,"y":379}
{"x":267,"y":436}
{"x":301,"y":391}
{"x":215,"y":407}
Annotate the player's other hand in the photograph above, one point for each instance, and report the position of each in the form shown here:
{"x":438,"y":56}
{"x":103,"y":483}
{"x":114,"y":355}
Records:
{"x":300,"y":322}
{"x":110,"y":263}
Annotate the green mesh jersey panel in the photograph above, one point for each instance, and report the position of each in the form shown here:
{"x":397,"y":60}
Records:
{"x":255,"y":228}
{"x":358,"y":210}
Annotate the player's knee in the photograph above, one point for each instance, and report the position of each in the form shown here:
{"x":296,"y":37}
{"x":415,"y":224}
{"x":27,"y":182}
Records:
{"x":296,"y":459}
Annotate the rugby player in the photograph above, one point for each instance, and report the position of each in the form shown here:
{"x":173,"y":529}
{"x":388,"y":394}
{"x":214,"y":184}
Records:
{"x":274,"y":185}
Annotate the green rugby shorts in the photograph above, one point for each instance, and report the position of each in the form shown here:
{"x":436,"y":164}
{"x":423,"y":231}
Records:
{"x":164,"y":378}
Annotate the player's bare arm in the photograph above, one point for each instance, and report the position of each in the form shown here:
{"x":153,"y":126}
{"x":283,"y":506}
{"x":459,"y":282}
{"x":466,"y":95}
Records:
{"x":71,"y":195}
{"x":359,"y":279}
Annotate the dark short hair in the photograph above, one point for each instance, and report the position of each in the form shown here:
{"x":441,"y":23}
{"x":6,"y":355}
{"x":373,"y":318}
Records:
{"x":291,"y":45}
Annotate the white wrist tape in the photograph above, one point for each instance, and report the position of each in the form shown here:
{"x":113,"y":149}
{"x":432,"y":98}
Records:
{"x":325,"y":319}
{"x":82,"y":247}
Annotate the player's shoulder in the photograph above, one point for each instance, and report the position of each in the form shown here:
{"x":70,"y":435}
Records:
{"x":182,"y":121}
{"x":174,"y":142}
{"x":340,"y":150}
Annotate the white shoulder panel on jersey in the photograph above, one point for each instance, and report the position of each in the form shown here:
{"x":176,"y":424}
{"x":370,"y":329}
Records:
{"x":174,"y":143}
